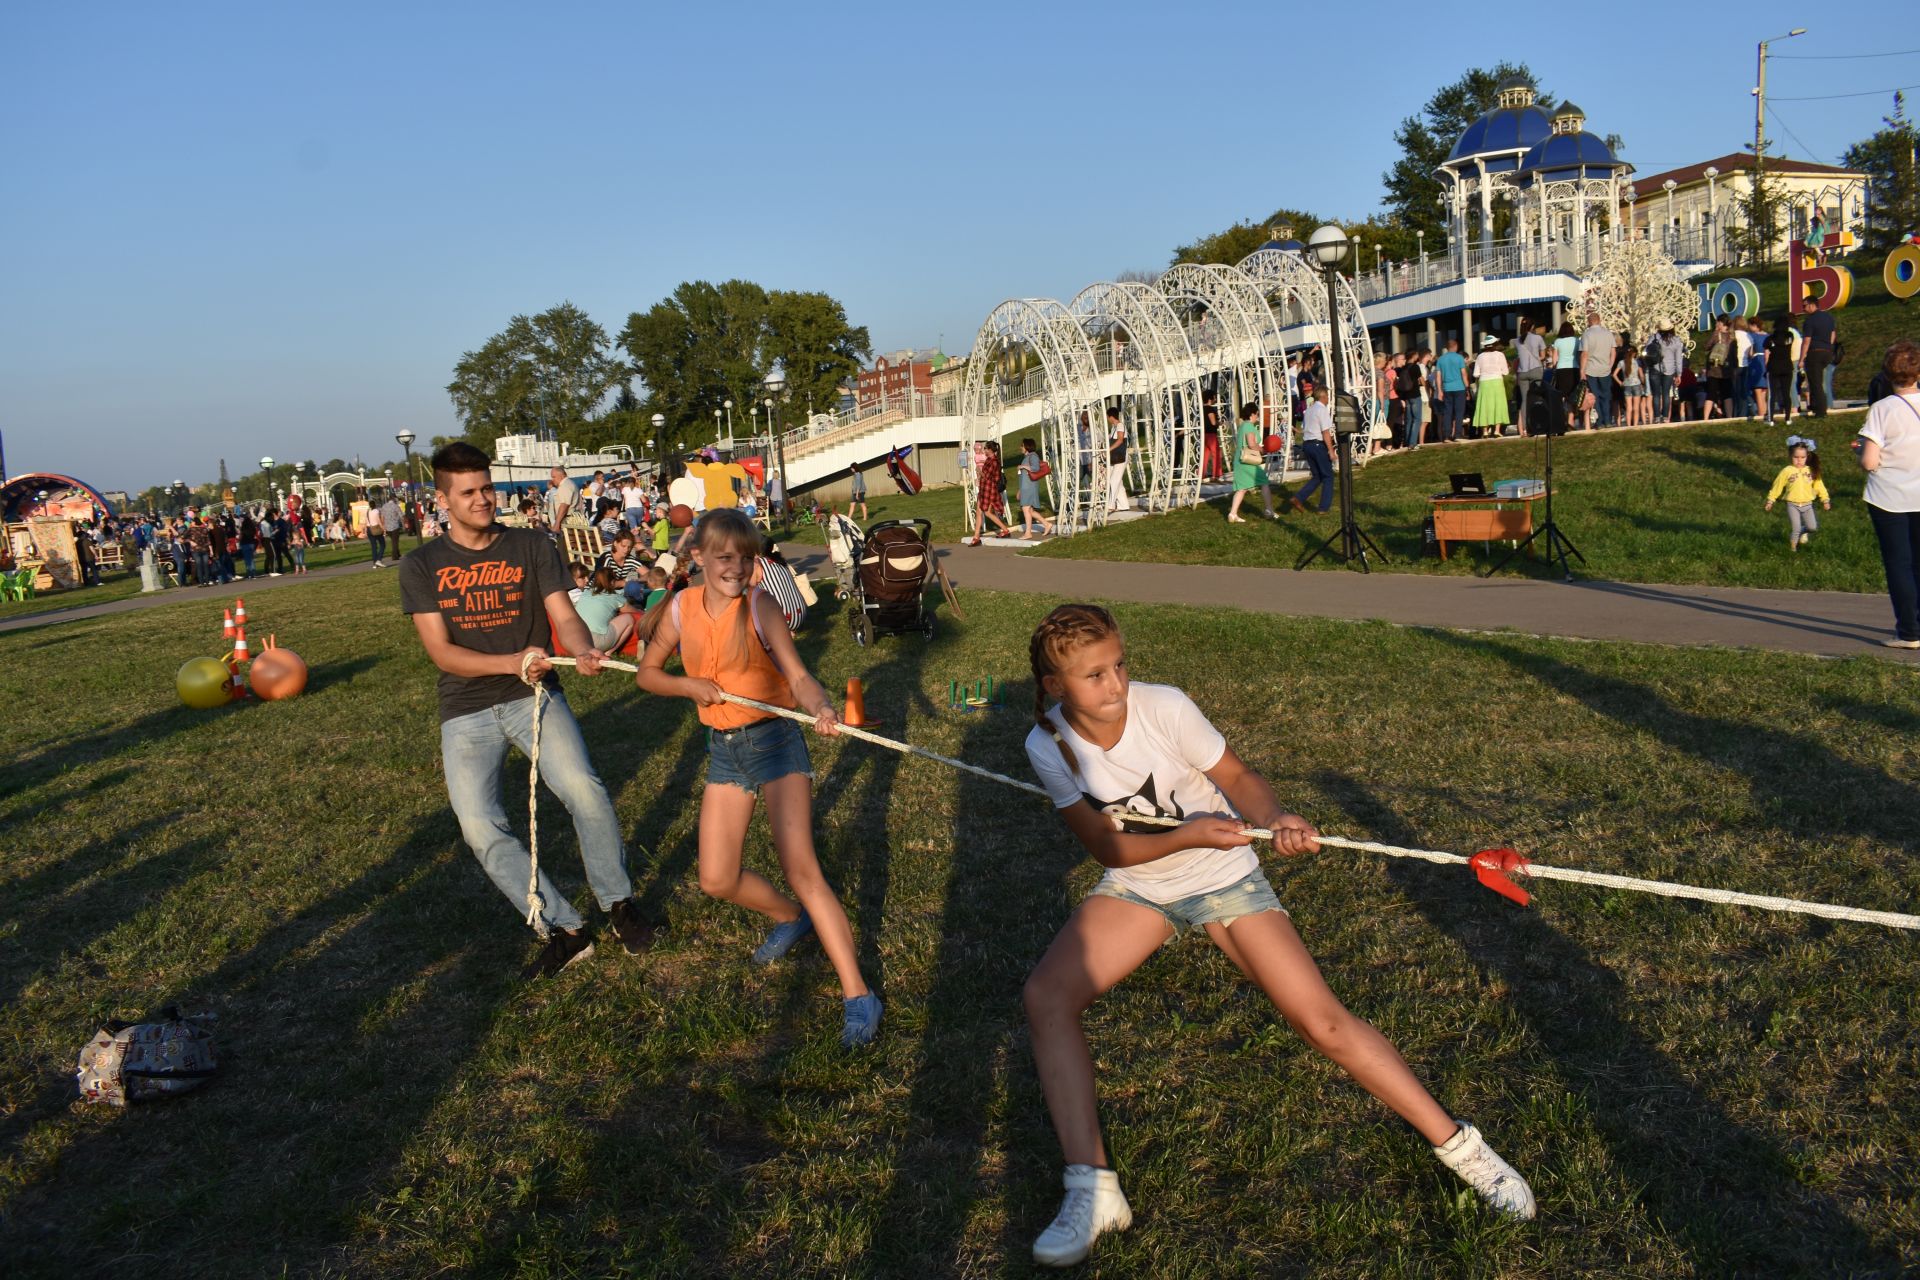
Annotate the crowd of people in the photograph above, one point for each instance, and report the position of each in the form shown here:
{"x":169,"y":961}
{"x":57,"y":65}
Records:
{"x":1576,"y":378}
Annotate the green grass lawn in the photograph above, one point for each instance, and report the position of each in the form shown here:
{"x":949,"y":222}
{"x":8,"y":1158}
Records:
{"x":118,"y":584}
{"x":1691,"y":1090}
{"x":1682,"y":505}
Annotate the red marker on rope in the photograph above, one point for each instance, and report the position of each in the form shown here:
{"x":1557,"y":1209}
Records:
{"x":1490,"y":867}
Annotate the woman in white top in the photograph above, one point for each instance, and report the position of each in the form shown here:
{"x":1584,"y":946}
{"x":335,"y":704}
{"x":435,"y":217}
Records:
{"x":1889,"y":446}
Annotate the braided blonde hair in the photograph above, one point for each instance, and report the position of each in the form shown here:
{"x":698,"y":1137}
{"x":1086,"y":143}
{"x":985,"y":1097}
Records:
{"x":1067,"y":628}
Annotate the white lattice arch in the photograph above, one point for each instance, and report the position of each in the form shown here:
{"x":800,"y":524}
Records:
{"x":1021,"y":337}
{"x":1287,"y":270}
{"x":1240,"y":331}
{"x":1159,"y":392}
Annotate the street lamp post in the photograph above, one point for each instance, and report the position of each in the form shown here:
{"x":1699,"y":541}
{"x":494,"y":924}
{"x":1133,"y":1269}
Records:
{"x":716,"y":427}
{"x":1760,"y":123}
{"x":728,"y":406}
{"x":1328,"y":246}
{"x":1668,"y":187}
{"x":776,"y":382}
{"x":659,"y":421}
{"x":406,"y":438}
{"x":1633,"y":194}
{"x":1420,"y":241}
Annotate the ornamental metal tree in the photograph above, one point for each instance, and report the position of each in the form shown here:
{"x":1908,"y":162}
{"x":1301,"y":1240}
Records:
{"x":1636,"y":289}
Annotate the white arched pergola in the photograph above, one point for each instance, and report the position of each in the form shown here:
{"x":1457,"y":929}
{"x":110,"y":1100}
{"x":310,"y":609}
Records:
{"x":1159,"y":396}
{"x":1287,"y":272}
{"x":1024,"y":337}
{"x":1236,"y":337}
{"x":1032,"y":372}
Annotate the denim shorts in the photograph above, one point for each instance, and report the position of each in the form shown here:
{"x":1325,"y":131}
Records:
{"x":760,"y":753}
{"x":1248,"y":897}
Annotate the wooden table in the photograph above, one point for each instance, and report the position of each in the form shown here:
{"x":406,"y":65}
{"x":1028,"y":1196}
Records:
{"x":1481,"y":518}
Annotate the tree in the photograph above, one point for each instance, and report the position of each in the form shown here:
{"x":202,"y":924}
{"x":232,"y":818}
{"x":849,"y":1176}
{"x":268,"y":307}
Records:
{"x":1887,"y":158}
{"x":808,"y":334}
{"x":706,"y":344}
{"x":1413,"y":192}
{"x":554,"y":370}
{"x":1755,"y":225}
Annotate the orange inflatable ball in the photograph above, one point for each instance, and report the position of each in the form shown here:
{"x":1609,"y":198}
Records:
{"x":680,"y":515}
{"x":204,"y":683}
{"x":277,"y":673}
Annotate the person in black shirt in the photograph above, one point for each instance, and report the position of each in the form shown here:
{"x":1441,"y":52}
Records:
{"x":482,"y":599}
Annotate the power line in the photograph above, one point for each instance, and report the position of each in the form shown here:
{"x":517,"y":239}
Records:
{"x":1828,"y":97}
{"x":1781,"y":121}
{"x":1835,"y":57}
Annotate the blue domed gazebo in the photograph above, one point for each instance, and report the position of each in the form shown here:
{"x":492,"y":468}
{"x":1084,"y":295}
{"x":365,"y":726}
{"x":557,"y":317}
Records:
{"x":1567,"y":181}
{"x":1485,"y":158}
{"x":1556,"y":177}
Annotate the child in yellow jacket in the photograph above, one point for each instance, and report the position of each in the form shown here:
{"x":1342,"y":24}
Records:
{"x":1800,"y":481}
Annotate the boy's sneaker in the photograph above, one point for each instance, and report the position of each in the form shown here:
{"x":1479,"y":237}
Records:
{"x":563,"y":948}
{"x":635,"y":933}
{"x":1094,"y":1205}
{"x":1467,"y":1154}
{"x":1898,"y":643}
{"x":862,"y":1021}
{"x":780,"y":939}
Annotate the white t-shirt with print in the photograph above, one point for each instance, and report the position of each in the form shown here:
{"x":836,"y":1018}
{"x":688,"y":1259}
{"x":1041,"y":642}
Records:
{"x":1158,"y":768}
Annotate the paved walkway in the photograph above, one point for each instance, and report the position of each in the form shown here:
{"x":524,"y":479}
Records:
{"x":1825,"y":623}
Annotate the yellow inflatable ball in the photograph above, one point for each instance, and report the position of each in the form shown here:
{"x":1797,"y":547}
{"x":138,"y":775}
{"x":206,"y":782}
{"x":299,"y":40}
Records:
{"x":204,"y":683}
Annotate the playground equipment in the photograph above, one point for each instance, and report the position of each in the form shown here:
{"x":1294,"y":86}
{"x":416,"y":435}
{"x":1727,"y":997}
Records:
{"x":204,"y":683}
{"x":981,"y":695}
{"x":277,"y":674}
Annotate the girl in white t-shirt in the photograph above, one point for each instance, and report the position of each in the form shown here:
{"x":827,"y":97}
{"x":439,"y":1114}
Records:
{"x":1110,"y":748}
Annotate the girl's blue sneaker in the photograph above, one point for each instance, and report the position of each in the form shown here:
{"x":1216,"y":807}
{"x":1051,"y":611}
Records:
{"x":862,"y":1020}
{"x":780,"y":939}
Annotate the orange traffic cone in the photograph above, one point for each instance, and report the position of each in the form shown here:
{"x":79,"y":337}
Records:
{"x":856,"y":715}
{"x":240,"y":645}
{"x":228,"y":632}
{"x":239,"y":612}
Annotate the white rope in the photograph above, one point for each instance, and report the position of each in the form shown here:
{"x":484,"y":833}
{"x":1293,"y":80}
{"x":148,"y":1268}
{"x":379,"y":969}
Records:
{"x":1664,"y":888}
{"x":533,"y":798}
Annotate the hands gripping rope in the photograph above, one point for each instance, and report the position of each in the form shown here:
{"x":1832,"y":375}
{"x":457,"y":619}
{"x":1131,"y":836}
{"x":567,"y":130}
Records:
{"x":1491,"y":867}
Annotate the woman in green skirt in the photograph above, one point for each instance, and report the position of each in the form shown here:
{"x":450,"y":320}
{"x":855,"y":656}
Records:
{"x":1490,"y":405}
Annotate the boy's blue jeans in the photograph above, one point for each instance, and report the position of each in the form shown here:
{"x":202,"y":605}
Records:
{"x":474,"y":746}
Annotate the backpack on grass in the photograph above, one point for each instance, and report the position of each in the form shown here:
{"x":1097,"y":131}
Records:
{"x":146,"y":1061}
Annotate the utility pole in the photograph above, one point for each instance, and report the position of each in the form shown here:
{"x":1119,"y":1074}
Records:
{"x":1760,"y":130}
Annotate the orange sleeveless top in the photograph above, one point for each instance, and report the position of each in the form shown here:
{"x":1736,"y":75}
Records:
{"x":706,"y":646}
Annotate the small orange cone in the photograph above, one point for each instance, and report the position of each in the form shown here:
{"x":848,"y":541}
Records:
{"x":228,"y":632}
{"x":239,"y":612}
{"x":856,"y":705}
{"x":240,"y":645}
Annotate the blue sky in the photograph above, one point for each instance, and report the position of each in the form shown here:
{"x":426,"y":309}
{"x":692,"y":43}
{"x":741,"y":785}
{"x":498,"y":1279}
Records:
{"x":267,"y":229}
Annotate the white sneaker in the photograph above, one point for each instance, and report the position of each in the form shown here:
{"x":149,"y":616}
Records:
{"x":1467,"y":1154}
{"x":1094,"y":1205}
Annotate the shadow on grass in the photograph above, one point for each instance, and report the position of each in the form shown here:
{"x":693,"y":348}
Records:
{"x":1002,"y":901}
{"x":1866,"y":801}
{"x":371,"y":998}
{"x":1740,"y":473}
{"x":49,"y":919}
{"x":1727,"y":1192}
{"x":46,"y":759}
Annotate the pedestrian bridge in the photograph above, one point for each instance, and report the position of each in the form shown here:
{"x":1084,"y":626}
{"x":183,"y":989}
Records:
{"x":1200,"y":340}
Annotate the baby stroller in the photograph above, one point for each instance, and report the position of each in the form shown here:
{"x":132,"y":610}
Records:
{"x":843,"y":548}
{"x":895,"y":568}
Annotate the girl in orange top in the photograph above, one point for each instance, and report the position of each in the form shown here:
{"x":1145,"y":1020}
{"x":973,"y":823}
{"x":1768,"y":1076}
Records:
{"x":732,"y":636}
